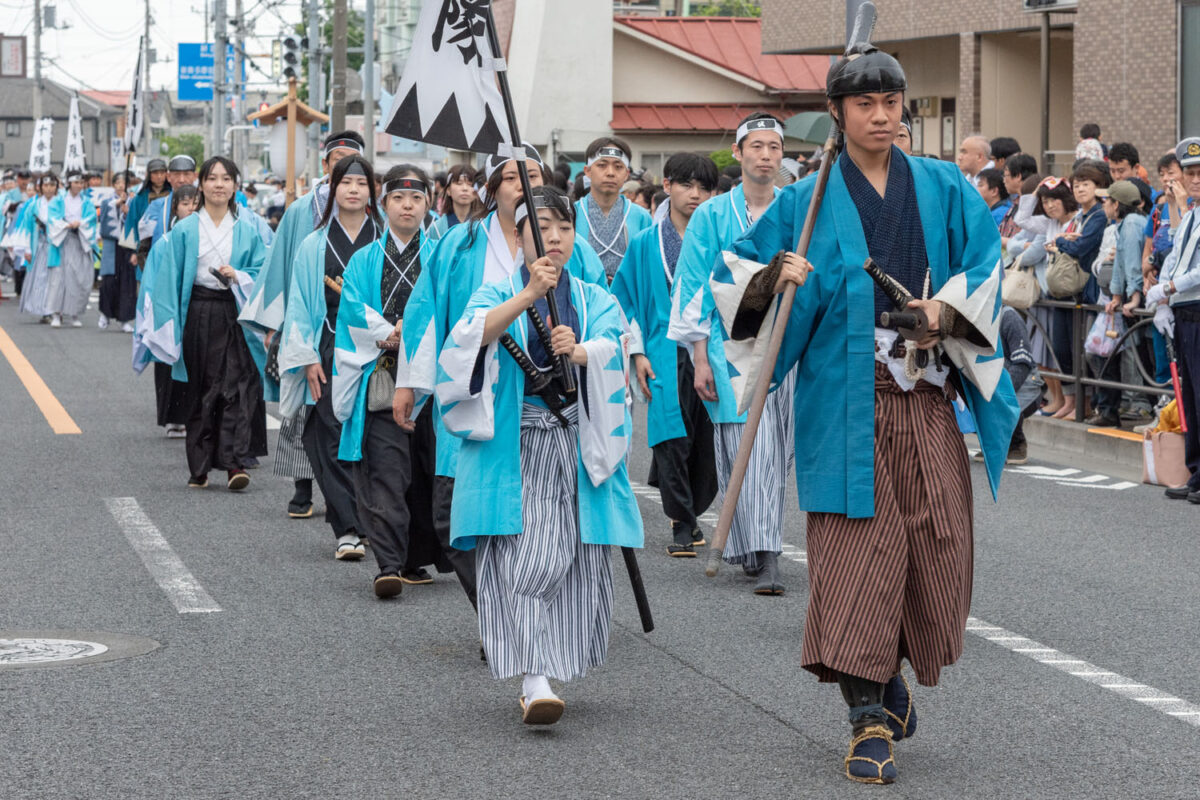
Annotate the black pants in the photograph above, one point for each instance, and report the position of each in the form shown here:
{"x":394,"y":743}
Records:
{"x":1187,"y":351}
{"x":463,"y":562}
{"x":684,"y":469}
{"x":322,"y":436}
{"x":223,"y":396}
{"x":169,"y":396}
{"x":1018,"y":437}
{"x":118,"y":292}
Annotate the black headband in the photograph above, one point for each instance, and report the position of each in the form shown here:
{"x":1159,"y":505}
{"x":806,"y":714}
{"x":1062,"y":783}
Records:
{"x":338,"y":144}
{"x":560,"y":205}
{"x":355,"y":168}
{"x":405,"y":185}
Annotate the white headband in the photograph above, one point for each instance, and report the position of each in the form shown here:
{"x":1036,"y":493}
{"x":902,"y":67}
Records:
{"x":761,"y":124}
{"x":610,"y":152}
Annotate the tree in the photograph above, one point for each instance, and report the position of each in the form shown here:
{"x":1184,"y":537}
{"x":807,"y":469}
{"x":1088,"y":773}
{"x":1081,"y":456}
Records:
{"x":185,"y":144}
{"x":722,"y":158}
{"x":729,"y":8}
{"x":355,"y":33}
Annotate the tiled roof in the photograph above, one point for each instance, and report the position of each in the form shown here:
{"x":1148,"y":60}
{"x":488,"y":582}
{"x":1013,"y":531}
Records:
{"x":735,"y":43}
{"x":682,"y":117}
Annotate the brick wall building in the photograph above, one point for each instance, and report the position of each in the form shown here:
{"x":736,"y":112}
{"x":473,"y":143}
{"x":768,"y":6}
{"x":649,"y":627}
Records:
{"x":975,"y":65}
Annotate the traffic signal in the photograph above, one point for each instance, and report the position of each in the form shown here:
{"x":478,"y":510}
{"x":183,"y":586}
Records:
{"x":292,"y":45}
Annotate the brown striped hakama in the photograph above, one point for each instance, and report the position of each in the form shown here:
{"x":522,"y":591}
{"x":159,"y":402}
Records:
{"x":897,"y":585}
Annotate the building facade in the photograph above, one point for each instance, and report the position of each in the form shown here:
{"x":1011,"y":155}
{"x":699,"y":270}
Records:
{"x":975,"y":67}
{"x":98,"y":123}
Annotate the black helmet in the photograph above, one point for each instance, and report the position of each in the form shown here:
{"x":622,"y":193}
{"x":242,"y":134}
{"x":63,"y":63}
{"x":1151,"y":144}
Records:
{"x":865,"y":70}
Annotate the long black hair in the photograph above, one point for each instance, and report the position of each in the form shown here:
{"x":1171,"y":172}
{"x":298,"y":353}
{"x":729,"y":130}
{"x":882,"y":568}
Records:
{"x":339,"y":172}
{"x":490,"y":188}
{"x":231,"y":170}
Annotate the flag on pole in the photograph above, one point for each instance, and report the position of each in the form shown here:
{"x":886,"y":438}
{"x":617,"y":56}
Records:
{"x":39,"y":148}
{"x":447,"y":94}
{"x":134,"y":110}
{"x":73,"y":159}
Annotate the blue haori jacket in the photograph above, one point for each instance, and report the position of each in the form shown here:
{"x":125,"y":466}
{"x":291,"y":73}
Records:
{"x":265,"y":308}
{"x":448,"y":280}
{"x":830,"y":332}
{"x":714,"y":227}
{"x":166,"y":301}
{"x":42,"y":223}
{"x":642,"y":287}
{"x":300,"y":329}
{"x":142,"y":356}
{"x":488,"y":490}
{"x":360,"y":324}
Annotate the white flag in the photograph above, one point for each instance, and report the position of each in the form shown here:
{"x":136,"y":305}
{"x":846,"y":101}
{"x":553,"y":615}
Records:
{"x":39,"y":148}
{"x":73,"y":159}
{"x":134,"y":109}
{"x":448,"y":94}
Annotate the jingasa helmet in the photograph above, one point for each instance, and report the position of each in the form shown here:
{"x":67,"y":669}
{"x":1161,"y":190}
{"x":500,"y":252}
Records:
{"x":864,"y":68}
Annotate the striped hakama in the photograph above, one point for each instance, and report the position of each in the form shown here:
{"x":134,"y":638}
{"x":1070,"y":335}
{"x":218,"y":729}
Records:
{"x":76,"y":274}
{"x":290,"y":458}
{"x":545,"y":597}
{"x":758,"y":520}
{"x":897,"y":585}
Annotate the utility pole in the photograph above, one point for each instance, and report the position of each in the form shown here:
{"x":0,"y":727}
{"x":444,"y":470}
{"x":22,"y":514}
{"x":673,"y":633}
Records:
{"x":369,"y":79}
{"x":239,"y":67}
{"x":220,"y":43}
{"x":146,"y":83}
{"x":316,"y":95}
{"x":37,"y":59}
{"x":337,"y":75}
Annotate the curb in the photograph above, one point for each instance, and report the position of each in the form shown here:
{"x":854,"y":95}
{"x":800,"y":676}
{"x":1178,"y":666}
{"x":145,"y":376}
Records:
{"x":1116,"y":446}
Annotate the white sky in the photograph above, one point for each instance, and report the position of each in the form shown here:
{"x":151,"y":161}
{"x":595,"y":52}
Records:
{"x":99,"y":49}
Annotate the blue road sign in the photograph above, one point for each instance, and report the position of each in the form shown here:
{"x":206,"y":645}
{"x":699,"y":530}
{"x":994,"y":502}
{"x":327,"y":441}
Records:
{"x":196,"y":69}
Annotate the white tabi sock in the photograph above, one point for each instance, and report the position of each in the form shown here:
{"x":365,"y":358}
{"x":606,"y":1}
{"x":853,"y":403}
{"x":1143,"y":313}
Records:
{"x":536,"y":687}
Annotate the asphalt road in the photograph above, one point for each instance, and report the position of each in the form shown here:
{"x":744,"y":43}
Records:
{"x":304,"y":685}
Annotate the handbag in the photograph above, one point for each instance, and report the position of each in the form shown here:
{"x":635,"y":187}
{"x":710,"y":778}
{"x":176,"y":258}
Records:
{"x":1019,"y":289}
{"x":381,"y":386}
{"x":1064,"y":277}
{"x":1102,"y":338}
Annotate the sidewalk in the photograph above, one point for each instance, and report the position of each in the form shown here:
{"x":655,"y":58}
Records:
{"x":1119,"y":451}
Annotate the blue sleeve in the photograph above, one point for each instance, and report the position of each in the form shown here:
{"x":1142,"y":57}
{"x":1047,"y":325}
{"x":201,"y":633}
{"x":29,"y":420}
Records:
{"x":1089,"y":237}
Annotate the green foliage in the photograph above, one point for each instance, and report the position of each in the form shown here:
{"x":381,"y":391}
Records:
{"x":355,"y":33}
{"x":189,"y":144}
{"x":722,"y":158}
{"x":729,"y":8}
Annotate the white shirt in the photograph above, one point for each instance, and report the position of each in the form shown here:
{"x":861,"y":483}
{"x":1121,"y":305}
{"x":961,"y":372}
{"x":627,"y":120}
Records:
{"x":73,"y":207}
{"x":499,"y":263}
{"x":215,"y":249}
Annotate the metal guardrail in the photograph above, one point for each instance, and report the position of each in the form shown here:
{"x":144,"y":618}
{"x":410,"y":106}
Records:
{"x":1079,"y":374}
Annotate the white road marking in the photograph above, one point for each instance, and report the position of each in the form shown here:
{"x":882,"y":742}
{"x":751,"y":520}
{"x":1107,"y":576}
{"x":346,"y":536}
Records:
{"x":1070,"y":477}
{"x":272,"y":422}
{"x":1155,"y":699}
{"x":180,"y":586}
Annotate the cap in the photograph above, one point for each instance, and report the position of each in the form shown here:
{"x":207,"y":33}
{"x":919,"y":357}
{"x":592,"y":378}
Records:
{"x":630,"y":186}
{"x":1125,"y":193}
{"x":182,"y":163}
{"x":155,"y":164}
{"x":1188,"y":151}
{"x":865,"y":70}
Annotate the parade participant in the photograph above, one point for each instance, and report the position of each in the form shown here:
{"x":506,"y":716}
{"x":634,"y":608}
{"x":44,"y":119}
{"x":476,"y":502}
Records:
{"x":154,"y":187}
{"x":393,"y":466}
{"x":756,"y":536}
{"x":268,"y":302}
{"x":60,"y":285}
{"x":890,"y":567}
{"x":482,"y":250}
{"x":678,"y":429}
{"x":118,"y":275}
{"x":461,"y":201}
{"x":169,"y":394}
{"x":606,"y":219}
{"x":348,"y":224}
{"x":32,"y":251}
{"x":181,"y":171}
{"x":1179,"y":316}
{"x":541,"y":494}
{"x":10,"y":202}
{"x":207,"y":270}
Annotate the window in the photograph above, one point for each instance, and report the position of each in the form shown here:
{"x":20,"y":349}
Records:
{"x":1,"y":149}
{"x":12,"y":128}
{"x":1189,"y":69}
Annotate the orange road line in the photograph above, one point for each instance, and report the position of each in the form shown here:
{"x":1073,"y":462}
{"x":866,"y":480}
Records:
{"x":60,"y":421}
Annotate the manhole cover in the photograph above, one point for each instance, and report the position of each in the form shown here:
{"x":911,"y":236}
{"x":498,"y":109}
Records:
{"x":48,"y":649}
{"x":40,"y":651}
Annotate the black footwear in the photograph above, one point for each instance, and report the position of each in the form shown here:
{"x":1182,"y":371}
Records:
{"x":698,"y":539}
{"x":388,"y":584}
{"x":300,"y":510}
{"x":899,"y":707}
{"x":752,"y":571}
{"x":1194,"y":498}
{"x":238,"y":480}
{"x":1174,"y":493}
{"x":1018,"y":454}
{"x":416,"y":577}
{"x":681,"y":551}
{"x":768,"y":579}
{"x":870,"y":759}
{"x":1102,"y":420}
{"x":198,"y":482}
{"x":250,"y":462}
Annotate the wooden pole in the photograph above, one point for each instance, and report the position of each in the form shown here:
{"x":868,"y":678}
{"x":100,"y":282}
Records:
{"x":734,"y":488}
{"x":290,"y":190}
